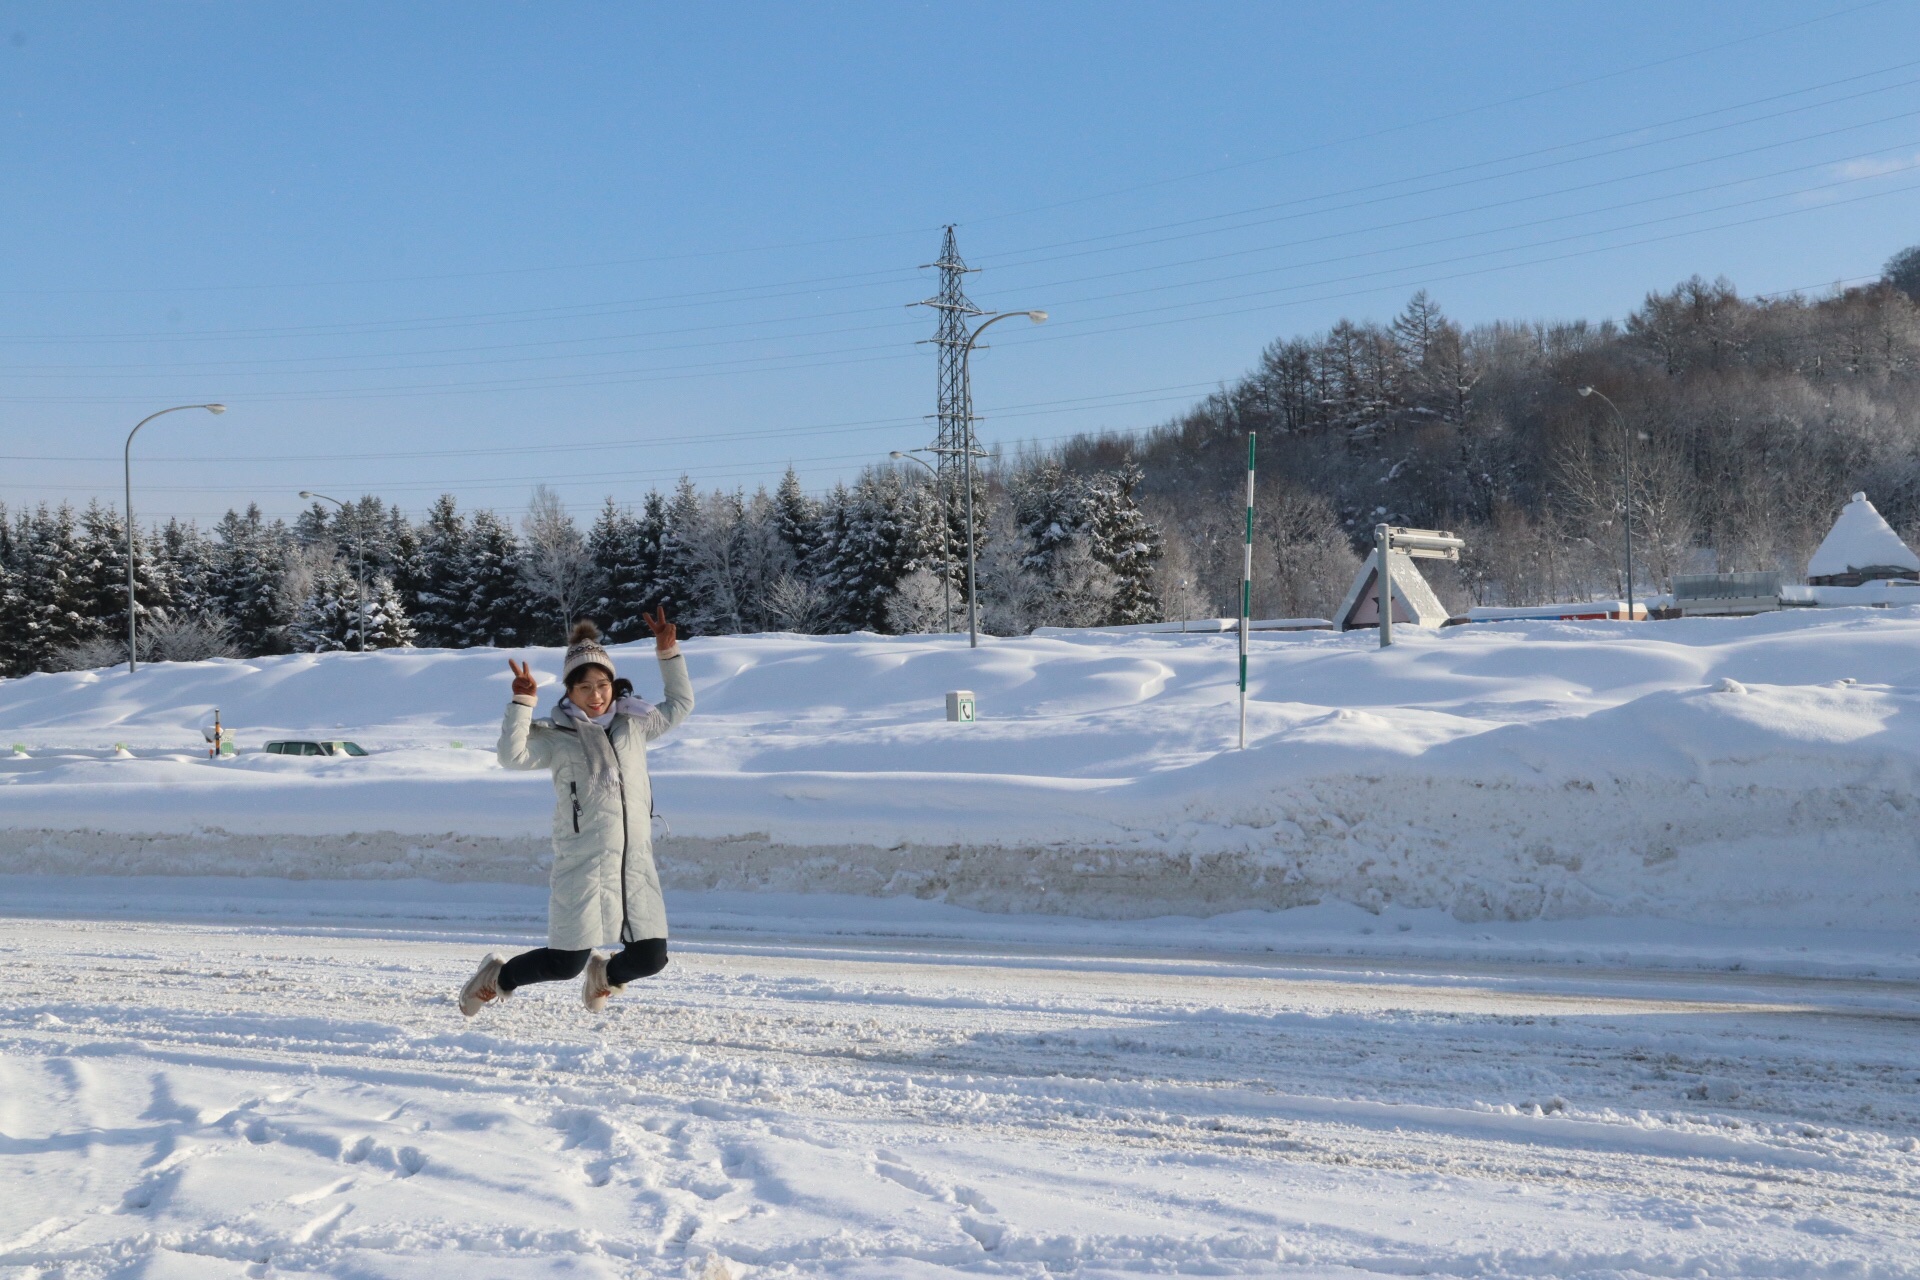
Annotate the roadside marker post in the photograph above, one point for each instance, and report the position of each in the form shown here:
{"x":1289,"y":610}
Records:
{"x":1246,"y":595}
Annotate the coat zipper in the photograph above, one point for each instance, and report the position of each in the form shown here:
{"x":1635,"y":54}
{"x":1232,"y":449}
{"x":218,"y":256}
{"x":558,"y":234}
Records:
{"x":625,"y":839}
{"x":574,"y":787}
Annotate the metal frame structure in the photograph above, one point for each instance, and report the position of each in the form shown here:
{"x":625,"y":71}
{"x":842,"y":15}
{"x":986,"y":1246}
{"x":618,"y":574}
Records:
{"x":1415,"y":544}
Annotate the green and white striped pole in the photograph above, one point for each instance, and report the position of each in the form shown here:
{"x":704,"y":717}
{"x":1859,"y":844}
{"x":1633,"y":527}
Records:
{"x":1246,"y":595}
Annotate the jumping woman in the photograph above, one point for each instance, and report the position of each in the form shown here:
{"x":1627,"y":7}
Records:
{"x":605,"y":891}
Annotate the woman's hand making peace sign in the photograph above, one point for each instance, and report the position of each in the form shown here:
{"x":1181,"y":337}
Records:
{"x":664,"y":632}
{"x":523,"y":682}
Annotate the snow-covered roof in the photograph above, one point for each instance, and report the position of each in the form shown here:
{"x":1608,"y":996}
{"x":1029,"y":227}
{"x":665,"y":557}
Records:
{"x":1860,"y":539}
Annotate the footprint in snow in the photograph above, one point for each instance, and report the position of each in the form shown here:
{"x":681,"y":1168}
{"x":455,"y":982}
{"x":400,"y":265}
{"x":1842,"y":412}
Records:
{"x":404,"y":1163}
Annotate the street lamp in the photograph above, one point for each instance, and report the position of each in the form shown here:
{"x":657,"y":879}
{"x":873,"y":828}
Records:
{"x":966,"y":401}
{"x":946,"y":545}
{"x":359,"y":558}
{"x":133,"y":631}
{"x":1626,"y":484}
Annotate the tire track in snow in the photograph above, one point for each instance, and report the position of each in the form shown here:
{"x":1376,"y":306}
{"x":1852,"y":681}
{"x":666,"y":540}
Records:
{"x":801,"y":1113}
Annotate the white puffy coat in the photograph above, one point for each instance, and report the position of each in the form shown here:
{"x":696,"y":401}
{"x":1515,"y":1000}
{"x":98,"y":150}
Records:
{"x":605,"y":888}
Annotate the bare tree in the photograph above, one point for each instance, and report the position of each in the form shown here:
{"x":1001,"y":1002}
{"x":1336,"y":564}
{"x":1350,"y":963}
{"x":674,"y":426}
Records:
{"x":917,"y":605}
{"x":168,"y":637}
{"x":555,"y":570}
{"x":1302,"y":563}
{"x":798,"y":603}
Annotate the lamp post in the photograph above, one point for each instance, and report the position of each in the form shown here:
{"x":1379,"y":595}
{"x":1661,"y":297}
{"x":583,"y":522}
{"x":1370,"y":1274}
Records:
{"x":359,"y":558}
{"x":1626,"y":485}
{"x":946,"y":545}
{"x":133,"y":626}
{"x":966,"y":396}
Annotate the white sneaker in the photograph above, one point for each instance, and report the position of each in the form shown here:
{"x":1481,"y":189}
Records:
{"x":483,"y":986}
{"x":594,"y":988}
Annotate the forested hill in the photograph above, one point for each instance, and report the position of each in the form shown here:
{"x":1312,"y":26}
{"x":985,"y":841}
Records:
{"x":1754,"y":419}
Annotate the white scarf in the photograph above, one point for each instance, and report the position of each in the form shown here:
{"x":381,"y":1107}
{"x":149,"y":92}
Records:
{"x":603,"y":768}
{"x":630,"y":705}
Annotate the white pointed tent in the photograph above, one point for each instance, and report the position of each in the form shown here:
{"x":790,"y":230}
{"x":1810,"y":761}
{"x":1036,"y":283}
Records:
{"x":1861,"y":547}
{"x":1413,"y":600}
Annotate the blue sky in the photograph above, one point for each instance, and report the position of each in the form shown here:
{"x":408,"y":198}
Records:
{"x":473,"y":247}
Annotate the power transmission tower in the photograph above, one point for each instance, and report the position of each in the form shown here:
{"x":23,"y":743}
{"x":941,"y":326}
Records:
{"x":951,"y":337}
{"x":954,"y":436}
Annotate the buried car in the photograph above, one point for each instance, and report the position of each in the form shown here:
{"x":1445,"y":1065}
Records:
{"x":301,"y":747}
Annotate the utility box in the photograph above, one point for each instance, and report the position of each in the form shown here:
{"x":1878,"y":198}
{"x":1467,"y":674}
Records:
{"x":960,"y":705}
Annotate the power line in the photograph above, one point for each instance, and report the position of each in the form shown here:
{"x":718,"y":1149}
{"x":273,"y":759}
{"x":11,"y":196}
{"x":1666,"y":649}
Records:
{"x":1424,"y":281}
{"x":1432,"y":120}
{"x":875,"y":278}
{"x":1519,"y":226}
{"x":790,"y":362}
{"x":1025,"y":409}
{"x":1465,"y":182}
{"x":39,"y":370}
{"x":868,"y":237}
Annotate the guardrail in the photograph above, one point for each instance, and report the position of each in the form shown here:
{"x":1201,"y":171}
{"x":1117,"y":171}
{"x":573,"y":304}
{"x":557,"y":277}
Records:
{"x":1201,"y":626}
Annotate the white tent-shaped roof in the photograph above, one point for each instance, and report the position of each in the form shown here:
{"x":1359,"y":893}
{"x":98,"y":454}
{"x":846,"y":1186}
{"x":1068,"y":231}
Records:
{"x":1413,"y":600}
{"x":1860,"y":540}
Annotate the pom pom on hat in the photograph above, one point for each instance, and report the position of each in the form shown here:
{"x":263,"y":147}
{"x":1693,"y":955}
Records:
{"x":584,"y":649}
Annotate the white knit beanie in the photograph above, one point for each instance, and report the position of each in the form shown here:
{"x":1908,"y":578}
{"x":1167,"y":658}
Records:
{"x":584,"y":649}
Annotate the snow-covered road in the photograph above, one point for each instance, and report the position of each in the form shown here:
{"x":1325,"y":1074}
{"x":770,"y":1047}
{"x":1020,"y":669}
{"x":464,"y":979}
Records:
{"x":190,"y":1100}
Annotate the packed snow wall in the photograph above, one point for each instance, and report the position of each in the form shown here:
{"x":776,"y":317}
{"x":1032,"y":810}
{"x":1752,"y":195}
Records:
{"x":1724,"y":771}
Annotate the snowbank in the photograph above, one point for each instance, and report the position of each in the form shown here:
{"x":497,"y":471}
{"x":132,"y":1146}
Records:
{"x":1751,"y":772}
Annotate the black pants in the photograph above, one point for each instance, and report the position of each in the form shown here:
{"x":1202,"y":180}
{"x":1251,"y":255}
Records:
{"x":640,"y":959}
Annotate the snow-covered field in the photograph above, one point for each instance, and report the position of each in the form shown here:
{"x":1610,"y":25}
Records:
{"x":1535,"y":949}
{"x":193,"y":1100}
{"x":1757,"y":772}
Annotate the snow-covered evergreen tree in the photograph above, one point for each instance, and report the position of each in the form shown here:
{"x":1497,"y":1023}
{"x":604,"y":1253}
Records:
{"x":1125,"y":542}
{"x":250,"y":561}
{"x":610,"y":544}
{"x":433,"y":585}
{"x":388,"y":626}
{"x":53,"y":606}
{"x":329,"y":617}
{"x":878,"y":535}
{"x":188,"y":557}
{"x":797,"y":518}
{"x":329,"y":612}
{"x":367,"y":518}
{"x":641,"y":568}
{"x":314,"y":526}
{"x":496,"y":608}
{"x":1050,"y":512}
{"x":399,"y":554}
{"x":101,"y":575}
{"x":680,"y":570}
{"x":13,"y":603}
{"x":834,"y":529}
{"x":1048,"y":504}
